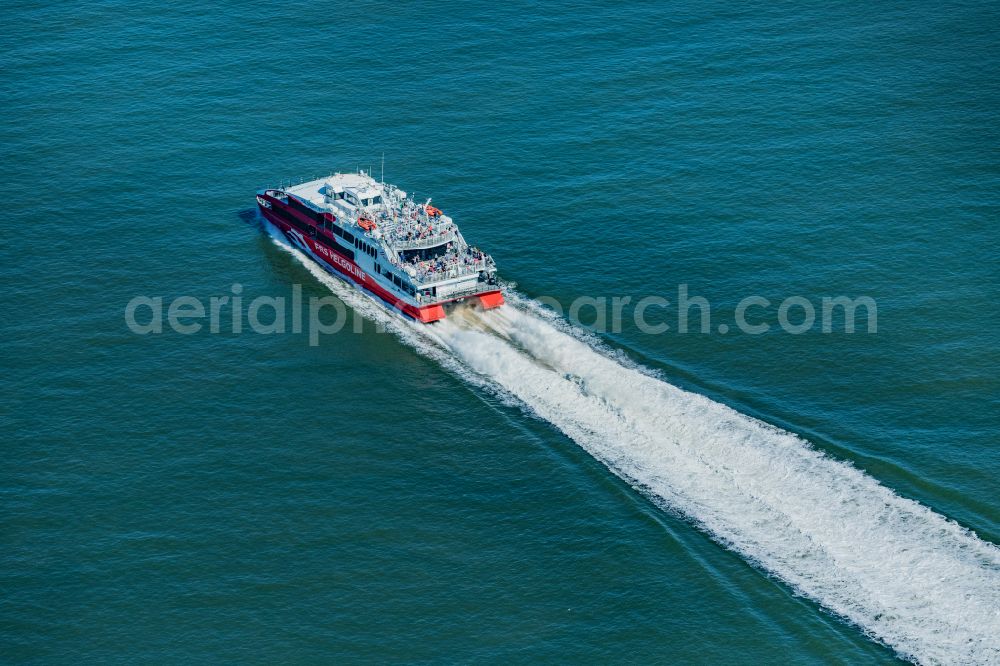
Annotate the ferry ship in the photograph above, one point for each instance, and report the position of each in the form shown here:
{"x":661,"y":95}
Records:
{"x":410,"y":256}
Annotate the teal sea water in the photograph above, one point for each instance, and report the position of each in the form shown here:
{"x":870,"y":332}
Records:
{"x":503,"y":489}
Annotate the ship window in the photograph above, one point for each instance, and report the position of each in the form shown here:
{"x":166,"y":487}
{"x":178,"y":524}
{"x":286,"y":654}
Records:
{"x":312,"y":232}
{"x":295,"y":204}
{"x":424,"y":254}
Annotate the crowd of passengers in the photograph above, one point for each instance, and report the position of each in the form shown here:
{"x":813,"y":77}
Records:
{"x":472,"y":260}
{"x":404,"y":230}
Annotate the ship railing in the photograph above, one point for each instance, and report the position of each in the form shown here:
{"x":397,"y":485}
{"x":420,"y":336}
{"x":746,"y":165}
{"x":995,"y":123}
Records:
{"x":478,"y":288}
{"x":430,"y":274}
{"x":403,"y":243}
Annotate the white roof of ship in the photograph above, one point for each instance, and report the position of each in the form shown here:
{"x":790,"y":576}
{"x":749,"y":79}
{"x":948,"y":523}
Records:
{"x":310,"y":193}
{"x":365,"y":192}
{"x":360,"y":185}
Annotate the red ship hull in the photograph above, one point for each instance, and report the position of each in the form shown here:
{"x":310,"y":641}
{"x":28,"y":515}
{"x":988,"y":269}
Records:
{"x":352,"y":272}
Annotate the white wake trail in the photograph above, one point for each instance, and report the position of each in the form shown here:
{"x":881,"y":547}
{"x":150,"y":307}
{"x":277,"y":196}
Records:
{"x":904,"y":574}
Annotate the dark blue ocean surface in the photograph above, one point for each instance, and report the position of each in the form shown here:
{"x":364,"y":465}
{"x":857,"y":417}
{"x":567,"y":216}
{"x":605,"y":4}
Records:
{"x":500,"y":489}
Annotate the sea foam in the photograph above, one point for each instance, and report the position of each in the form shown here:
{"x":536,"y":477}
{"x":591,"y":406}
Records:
{"x":905,"y":575}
